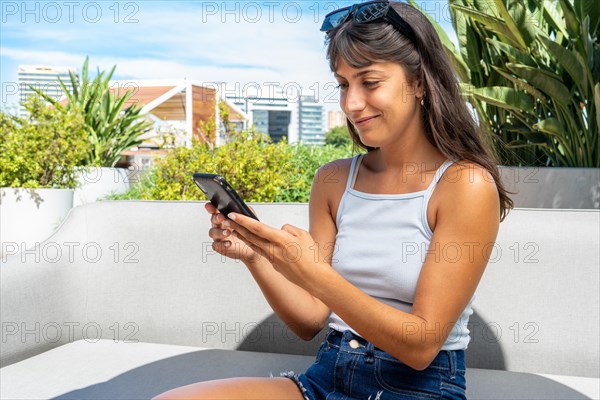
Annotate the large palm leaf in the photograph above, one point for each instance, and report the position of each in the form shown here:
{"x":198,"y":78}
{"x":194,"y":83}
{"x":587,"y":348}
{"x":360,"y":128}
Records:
{"x":112,"y":127}
{"x":532,"y":69}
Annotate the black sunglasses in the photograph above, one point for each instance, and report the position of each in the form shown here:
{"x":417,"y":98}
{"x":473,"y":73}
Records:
{"x":364,"y":13}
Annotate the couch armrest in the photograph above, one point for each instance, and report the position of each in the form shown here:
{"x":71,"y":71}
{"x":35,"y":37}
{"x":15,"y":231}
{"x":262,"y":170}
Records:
{"x":38,"y":305}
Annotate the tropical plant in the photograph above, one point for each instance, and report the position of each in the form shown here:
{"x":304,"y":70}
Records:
{"x":112,"y":126}
{"x":530,"y":69}
{"x":42,"y":150}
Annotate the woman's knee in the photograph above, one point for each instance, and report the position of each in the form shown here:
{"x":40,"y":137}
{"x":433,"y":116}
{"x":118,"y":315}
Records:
{"x":236,"y":388}
{"x":193,"y":391}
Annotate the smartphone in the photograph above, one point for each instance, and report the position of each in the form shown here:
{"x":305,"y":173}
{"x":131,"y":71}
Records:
{"x":222,"y":195}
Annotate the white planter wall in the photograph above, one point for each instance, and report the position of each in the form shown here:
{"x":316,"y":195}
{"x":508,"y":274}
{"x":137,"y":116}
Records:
{"x":29,"y":216}
{"x":566,"y":188}
{"x":95,"y":183}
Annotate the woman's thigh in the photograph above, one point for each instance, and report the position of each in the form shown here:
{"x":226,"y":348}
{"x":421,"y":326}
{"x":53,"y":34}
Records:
{"x":237,"y":388}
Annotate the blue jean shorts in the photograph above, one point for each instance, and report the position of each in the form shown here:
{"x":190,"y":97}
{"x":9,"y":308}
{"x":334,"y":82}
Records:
{"x":349,"y":367}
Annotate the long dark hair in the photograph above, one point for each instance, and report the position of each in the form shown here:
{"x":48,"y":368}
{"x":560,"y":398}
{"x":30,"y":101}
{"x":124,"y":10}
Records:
{"x":449,"y":125}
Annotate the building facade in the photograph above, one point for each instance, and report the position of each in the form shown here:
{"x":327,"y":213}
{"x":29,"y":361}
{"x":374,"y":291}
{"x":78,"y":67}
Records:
{"x":311,"y":124}
{"x":269,"y":110}
{"x":335,"y":118}
{"x":45,"y":79}
{"x":298,"y":118}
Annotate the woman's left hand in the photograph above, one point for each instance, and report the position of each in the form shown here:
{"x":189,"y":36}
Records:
{"x":291,"y":250}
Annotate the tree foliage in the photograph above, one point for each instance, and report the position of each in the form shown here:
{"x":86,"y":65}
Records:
{"x":338,"y":136}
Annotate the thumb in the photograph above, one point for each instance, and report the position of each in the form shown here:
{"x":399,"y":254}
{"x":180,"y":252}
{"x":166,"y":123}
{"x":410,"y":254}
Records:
{"x":292,"y":229}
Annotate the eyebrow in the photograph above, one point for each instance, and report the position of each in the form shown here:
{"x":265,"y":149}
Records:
{"x":360,"y":73}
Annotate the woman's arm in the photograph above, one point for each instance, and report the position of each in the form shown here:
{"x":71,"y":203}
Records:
{"x":303,"y":313}
{"x":467,"y":216}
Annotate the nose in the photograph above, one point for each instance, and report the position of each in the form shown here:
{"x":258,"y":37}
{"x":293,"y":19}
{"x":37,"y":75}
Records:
{"x":353,"y":99}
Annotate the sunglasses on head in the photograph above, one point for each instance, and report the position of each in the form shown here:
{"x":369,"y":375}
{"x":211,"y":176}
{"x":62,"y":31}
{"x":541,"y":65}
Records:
{"x":364,"y":13}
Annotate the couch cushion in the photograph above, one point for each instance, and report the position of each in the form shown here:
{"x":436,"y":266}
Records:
{"x":536,"y":308}
{"x":115,"y":370}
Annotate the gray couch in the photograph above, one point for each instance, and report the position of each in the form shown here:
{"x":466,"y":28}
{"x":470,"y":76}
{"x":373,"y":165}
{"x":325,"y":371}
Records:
{"x":127,"y":300}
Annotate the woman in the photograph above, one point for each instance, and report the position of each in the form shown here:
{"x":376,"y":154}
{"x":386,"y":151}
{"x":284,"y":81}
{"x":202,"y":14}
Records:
{"x":399,"y":237}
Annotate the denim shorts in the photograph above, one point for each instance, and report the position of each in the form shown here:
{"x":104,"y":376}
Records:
{"x":349,"y":367}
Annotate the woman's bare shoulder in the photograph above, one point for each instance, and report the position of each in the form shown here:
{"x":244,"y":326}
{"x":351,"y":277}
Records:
{"x":468,"y":176}
{"x":469,"y":185}
{"x":334,"y":172}
{"x":329,"y":184}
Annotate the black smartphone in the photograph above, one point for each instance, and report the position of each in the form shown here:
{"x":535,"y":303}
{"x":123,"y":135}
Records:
{"x":222,"y":195}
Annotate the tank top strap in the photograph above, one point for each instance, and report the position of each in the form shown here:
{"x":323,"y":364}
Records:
{"x":436,"y":178}
{"x":438,"y":175}
{"x":353,"y":170}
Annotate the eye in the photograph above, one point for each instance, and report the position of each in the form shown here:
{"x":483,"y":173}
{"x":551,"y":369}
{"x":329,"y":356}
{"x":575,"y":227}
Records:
{"x":342,"y":86}
{"x":370,"y":84}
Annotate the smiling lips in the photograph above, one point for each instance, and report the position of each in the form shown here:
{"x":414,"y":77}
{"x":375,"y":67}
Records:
{"x":363,"y":121}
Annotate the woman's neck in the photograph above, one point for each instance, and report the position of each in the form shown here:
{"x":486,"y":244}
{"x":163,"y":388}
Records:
{"x":416,"y":153}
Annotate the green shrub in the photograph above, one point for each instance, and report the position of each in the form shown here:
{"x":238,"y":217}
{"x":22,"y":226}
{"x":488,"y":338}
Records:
{"x":43,"y":150}
{"x":259,"y":170}
{"x":255,"y":166}
{"x":307,"y":160}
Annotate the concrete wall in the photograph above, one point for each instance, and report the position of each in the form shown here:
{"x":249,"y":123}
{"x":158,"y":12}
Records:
{"x":566,"y":188}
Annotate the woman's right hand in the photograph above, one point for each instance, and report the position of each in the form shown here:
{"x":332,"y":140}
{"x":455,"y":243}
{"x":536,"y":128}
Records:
{"x":224,"y":242}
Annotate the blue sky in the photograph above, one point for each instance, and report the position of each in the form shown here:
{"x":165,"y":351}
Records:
{"x":242,"y":43}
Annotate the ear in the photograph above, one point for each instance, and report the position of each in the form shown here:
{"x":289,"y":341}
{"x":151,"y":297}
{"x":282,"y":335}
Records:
{"x":419,"y":88}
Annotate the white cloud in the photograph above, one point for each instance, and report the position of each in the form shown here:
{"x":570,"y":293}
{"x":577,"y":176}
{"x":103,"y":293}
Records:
{"x":173,"y":40}
{"x":182,"y":42}
{"x":31,"y":56}
{"x":238,"y":80}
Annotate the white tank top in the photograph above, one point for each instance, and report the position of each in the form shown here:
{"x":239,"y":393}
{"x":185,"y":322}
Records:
{"x":381,"y":244}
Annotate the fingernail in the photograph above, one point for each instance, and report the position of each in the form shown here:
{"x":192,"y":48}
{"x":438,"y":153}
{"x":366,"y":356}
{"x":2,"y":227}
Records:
{"x":227,"y":244}
{"x":225,"y":232}
{"x":231,"y":216}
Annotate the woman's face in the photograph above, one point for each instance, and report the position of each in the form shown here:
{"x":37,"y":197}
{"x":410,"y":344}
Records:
{"x":380,"y":102}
